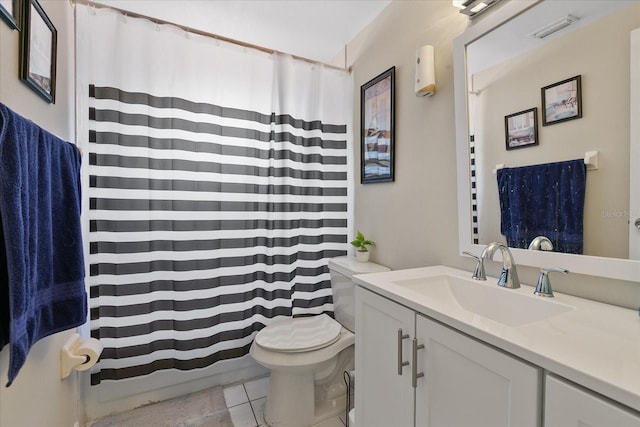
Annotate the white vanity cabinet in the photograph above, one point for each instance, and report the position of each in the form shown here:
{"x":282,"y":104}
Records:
{"x":567,"y":405}
{"x":468,"y":383}
{"x":383,"y":398}
{"x":490,"y":356}
{"x":412,"y":370}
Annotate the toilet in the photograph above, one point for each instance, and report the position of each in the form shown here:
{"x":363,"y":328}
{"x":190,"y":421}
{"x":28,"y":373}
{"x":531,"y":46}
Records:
{"x":308,"y":355}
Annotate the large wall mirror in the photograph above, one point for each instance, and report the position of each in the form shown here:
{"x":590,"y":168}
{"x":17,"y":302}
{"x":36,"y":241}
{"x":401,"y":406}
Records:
{"x":500,"y":71}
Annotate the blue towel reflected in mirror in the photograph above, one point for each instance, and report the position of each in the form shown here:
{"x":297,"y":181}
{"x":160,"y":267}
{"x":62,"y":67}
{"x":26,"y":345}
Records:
{"x":543,"y":200}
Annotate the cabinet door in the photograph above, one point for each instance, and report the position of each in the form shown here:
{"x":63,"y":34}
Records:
{"x":467,"y":383}
{"x":566,"y":405}
{"x":383,"y":398}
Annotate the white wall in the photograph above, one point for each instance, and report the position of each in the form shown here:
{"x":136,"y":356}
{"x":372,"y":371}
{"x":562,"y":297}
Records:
{"x":414,"y":219}
{"x":38,"y":397}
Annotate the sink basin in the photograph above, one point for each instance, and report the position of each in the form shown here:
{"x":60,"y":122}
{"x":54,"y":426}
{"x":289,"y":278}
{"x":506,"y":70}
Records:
{"x":513,"y":307}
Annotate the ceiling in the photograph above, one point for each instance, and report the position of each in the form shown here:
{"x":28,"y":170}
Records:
{"x":312,"y":29}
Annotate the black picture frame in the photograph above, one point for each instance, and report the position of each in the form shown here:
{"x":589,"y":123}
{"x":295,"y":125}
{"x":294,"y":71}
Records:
{"x":521,"y":129}
{"x":39,"y":41}
{"x":377,"y":128}
{"x":10,"y":13}
{"x":562,"y":101}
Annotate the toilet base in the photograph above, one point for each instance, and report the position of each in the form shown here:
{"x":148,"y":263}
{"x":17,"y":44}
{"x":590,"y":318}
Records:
{"x":293,"y":408}
{"x":298,"y":399}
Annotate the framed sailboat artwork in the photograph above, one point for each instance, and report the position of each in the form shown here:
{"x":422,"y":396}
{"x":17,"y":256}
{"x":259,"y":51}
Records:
{"x":377,"y":116}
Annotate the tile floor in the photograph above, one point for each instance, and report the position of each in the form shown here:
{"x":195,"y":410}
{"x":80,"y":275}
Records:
{"x":245,"y":403}
{"x":206,"y":408}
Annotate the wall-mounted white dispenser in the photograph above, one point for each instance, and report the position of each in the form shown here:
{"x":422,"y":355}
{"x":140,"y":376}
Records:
{"x":425,"y":83}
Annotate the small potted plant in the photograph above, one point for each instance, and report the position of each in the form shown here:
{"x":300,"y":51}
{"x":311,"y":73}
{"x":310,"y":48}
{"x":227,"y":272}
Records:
{"x":361,"y":244}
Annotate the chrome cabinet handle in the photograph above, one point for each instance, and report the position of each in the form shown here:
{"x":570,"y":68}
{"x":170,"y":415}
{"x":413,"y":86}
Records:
{"x":401,"y":363}
{"x":637,"y":223}
{"x":414,"y":368}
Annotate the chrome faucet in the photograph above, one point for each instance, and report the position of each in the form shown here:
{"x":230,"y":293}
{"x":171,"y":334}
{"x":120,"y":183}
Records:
{"x":509,"y":275}
{"x":541,"y":243}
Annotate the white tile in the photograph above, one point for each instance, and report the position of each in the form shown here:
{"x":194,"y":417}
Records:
{"x":258,"y":409}
{"x":235,"y":395}
{"x":257,"y":388}
{"x":242,"y":416}
{"x":333,"y":422}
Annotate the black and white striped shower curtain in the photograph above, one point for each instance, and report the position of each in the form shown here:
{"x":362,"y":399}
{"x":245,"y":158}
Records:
{"x":218,"y":181}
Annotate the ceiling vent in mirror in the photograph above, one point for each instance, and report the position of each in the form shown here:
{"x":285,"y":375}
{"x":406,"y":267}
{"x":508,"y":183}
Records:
{"x":551,"y":28}
{"x":473,"y":8}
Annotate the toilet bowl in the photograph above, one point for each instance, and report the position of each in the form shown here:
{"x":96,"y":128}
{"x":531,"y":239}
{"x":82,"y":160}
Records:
{"x":308,"y":355}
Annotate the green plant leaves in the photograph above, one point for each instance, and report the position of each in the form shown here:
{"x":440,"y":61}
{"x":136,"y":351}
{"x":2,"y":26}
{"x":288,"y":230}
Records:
{"x":361,"y":242}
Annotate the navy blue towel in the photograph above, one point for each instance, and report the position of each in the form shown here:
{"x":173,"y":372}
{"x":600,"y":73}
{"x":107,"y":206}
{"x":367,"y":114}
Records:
{"x":543,"y":200}
{"x":42,"y":270}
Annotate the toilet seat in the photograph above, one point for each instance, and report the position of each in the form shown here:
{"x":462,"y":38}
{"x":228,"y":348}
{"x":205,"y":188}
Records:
{"x":295,"y":335}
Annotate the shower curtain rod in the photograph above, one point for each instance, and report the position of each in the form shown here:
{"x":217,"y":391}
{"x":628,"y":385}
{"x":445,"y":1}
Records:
{"x":158,"y":21}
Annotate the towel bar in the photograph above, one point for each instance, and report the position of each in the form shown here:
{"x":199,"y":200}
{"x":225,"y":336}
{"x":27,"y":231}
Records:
{"x":590,"y":160}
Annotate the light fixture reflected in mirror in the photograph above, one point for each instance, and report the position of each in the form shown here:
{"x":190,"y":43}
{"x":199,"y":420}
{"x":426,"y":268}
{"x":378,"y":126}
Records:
{"x":472,"y":8}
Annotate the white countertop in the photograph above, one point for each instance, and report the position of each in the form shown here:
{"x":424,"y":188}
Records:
{"x":596,"y":345}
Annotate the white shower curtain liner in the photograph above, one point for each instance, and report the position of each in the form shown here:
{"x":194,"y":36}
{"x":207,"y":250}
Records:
{"x":218,"y":185}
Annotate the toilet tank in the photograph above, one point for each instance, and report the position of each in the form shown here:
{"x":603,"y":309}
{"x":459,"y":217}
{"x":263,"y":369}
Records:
{"x":342,"y":269}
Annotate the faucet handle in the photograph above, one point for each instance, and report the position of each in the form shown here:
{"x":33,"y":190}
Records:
{"x":543,"y":288}
{"x":478,"y":271}
{"x":472,"y":255}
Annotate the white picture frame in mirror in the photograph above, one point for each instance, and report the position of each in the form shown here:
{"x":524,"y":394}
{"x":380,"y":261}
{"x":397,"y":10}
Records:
{"x":614,"y":268}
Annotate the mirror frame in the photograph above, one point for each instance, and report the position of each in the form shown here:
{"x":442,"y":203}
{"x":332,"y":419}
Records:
{"x":613,"y":268}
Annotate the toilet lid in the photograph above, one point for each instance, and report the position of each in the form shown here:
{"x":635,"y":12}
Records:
{"x":299,"y":334}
